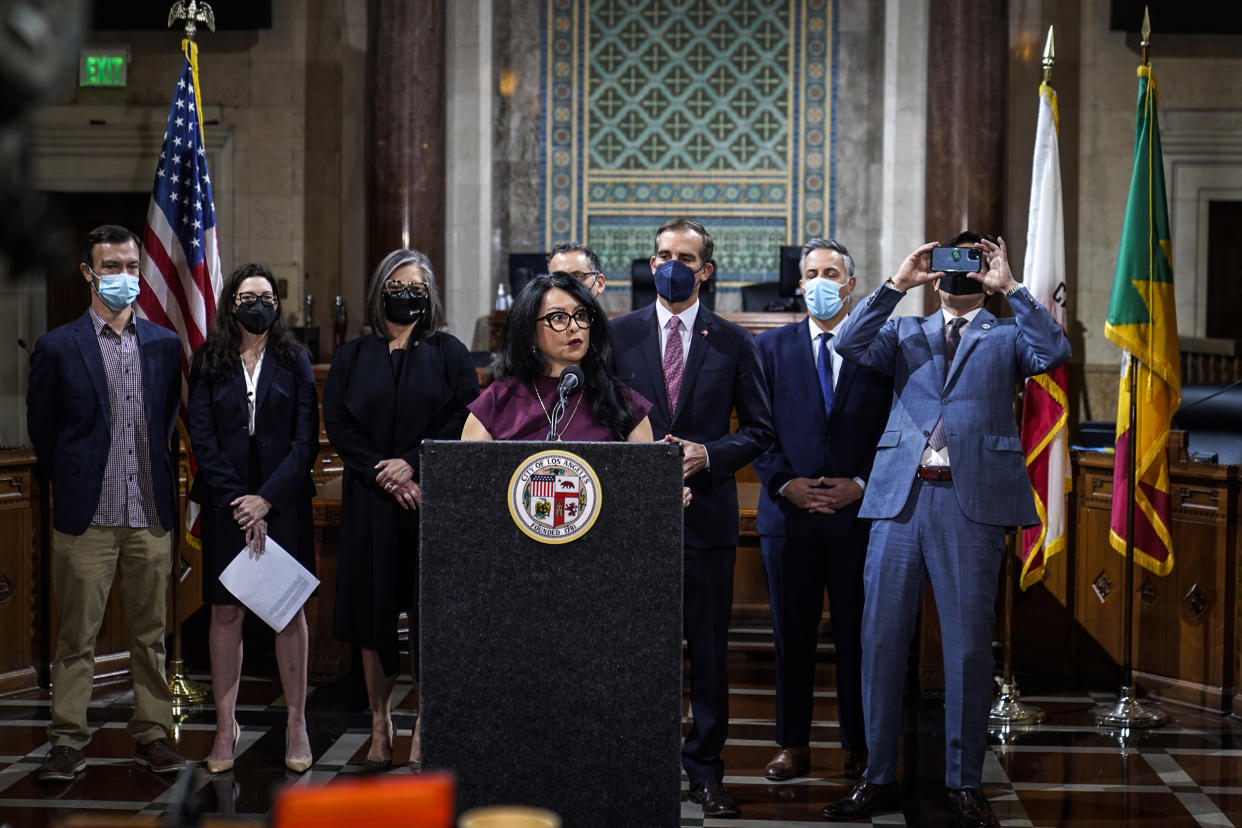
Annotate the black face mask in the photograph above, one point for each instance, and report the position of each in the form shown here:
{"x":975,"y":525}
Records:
{"x":402,"y":309}
{"x":959,"y":284}
{"x":256,"y":316}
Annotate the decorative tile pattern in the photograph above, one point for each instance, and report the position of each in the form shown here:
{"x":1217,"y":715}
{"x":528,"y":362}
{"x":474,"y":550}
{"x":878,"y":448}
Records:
{"x":720,"y":110}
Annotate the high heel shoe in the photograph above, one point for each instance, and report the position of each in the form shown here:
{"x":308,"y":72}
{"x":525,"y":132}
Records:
{"x":296,"y":764}
{"x":222,"y":765}
{"x":381,"y":765}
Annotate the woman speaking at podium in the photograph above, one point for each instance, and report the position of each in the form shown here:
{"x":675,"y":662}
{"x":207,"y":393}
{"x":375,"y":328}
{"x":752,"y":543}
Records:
{"x":555,"y":324}
{"x":387,"y":391}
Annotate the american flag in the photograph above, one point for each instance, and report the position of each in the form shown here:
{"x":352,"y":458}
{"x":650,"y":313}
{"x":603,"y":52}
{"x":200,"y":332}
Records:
{"x":181,"y":277}
{"x":543,"y":485}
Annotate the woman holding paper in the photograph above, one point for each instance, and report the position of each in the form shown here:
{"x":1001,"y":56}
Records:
{"x":387,"y":391}
{"x":254,"y":430}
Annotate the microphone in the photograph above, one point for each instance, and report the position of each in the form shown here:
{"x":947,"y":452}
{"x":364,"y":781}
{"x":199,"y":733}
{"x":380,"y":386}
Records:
{"x":571,"y":378}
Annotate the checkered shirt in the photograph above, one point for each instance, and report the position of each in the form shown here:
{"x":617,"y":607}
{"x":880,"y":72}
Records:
{"x":128,"y":494}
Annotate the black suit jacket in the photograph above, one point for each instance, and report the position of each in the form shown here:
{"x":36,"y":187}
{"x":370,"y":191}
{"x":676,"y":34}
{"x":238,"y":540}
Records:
{"x":69,"y":415}
{"x":722,"y":373}
{"x":810,"y":443}
{"x":286,"y":427}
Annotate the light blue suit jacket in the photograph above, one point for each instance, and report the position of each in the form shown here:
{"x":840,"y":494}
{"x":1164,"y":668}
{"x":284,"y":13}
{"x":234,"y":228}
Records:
{"x":976,"y":401}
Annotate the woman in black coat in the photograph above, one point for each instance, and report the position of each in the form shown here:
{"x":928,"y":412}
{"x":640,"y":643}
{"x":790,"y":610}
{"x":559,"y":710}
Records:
{"x":254,"y":430}
{"x":387,"y":392}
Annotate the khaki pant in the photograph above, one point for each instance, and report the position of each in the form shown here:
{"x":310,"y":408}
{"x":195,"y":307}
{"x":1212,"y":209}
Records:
{"x":83,"y":567}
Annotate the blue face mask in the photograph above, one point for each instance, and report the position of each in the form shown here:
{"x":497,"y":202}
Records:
{"x":823,"y":298}
{"x":117,"y":292}
{"x":675,"y":281}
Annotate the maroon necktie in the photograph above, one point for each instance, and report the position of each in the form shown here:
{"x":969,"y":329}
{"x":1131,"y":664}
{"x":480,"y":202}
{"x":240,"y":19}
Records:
{"x":952,"y":338}
{"x":674,"y":363}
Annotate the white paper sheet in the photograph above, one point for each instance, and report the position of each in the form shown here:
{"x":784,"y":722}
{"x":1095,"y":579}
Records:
{"x":273,"y":585}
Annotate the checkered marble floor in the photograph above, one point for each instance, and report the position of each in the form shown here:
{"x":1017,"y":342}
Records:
{"x":1065,"y":772}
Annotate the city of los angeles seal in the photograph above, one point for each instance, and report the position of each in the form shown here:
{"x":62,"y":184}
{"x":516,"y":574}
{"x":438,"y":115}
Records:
{"x":554,"y":496}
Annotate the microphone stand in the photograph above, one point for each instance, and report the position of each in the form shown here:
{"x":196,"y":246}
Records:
{"x":558,"y":411}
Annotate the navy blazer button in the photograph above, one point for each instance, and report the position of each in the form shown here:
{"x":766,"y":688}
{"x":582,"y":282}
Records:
{"x":944,"y":401}
{"x":926,"y":433}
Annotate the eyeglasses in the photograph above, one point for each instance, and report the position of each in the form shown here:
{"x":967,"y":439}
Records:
{"x":265,"y":298}
{"x":559,"y":320}
{"x":587,"y":278}
{"x":396,"y":287}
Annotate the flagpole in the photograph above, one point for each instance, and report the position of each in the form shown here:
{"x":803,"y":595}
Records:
{"x":1007,"y":710}
{"x":184,"y":691}
{"x":1128,"y":712}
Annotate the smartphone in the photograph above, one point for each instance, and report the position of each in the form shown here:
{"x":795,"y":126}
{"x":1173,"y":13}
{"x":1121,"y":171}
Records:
{"x":956,"y":259}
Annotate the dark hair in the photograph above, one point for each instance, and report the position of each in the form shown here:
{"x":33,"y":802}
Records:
{"x":575,"y":247}
{"x":220,"y":354}
{"x":968,"y":237}
{"x":432,"y":319}
{"x":519,"y":358}
{"x":709,"y":246}
{"x":820,"y":243}
{"x":107,"y":234}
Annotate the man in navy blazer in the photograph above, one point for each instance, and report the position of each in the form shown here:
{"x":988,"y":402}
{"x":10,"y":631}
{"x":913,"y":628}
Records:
{"x":696,"y":368}
{"x":949,"y":480}
{"x":101,"y":405}
{"x":828,"y":414}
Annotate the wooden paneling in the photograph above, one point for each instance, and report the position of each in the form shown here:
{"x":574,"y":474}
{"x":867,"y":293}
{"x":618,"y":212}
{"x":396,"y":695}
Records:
{"x":18,"y":545}
{"x":1185,"y":624}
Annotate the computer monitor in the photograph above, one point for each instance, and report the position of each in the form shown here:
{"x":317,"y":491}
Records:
{"x":790,"y":274}
{"x":523,"y":267}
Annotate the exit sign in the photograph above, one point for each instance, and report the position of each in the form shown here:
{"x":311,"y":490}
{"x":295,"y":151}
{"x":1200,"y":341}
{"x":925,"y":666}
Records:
{"x":103,"y":67}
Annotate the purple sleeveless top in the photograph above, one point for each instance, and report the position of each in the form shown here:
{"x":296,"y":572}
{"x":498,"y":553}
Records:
{"x":509,"y":410}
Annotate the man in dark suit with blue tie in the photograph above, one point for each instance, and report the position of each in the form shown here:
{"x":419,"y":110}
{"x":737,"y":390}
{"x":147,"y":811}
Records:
{"x":101,"y":404}
{"x":948,"y":480}
{"x":696,"y":368}
{"x":828,"y":414}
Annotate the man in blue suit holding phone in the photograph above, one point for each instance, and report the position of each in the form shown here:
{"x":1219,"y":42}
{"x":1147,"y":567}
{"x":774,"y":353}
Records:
{"x":948,"y":480}
{"x":828,"y":414}
{"x":101,"y":405}
{"x":697,"y":368}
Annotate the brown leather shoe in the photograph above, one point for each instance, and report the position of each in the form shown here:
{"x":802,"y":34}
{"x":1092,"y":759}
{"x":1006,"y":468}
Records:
{"x":160,"y":756}
{"x":862,"y":799}
{"x":62,"y":764}
{"x":715,"y":799}
{"x":788,"y":763}
{"x":970,"y":809}
{"x":855,"y":764}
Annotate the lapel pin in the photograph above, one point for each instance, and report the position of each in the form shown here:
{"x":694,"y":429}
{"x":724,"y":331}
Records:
{"x":703,"y":332}
{"x":986,"y":325}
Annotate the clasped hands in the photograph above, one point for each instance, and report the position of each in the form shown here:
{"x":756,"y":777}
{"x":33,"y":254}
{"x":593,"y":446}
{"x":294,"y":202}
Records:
{"x":822,"y":495}
{"x":397,"y":478}
{"x":249,"y":511}
{"x":916,"y":268}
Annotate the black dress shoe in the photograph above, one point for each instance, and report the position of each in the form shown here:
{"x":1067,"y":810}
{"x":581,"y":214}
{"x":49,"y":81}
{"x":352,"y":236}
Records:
{"x":862,"y":799}
{"x":714,"y":798}
{"x":970,"y":809}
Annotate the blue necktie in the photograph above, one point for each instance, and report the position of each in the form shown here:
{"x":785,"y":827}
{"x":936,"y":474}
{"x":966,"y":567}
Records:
{"x":825,"y":371}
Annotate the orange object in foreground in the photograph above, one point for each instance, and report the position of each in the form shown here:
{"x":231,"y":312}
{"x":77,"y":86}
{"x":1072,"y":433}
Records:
{"x":421,"y":801}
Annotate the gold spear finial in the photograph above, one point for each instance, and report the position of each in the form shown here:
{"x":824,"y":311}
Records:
{"x":1050,"y":56}
{"x":1146,"y":41}
{"x":192,"y":12}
